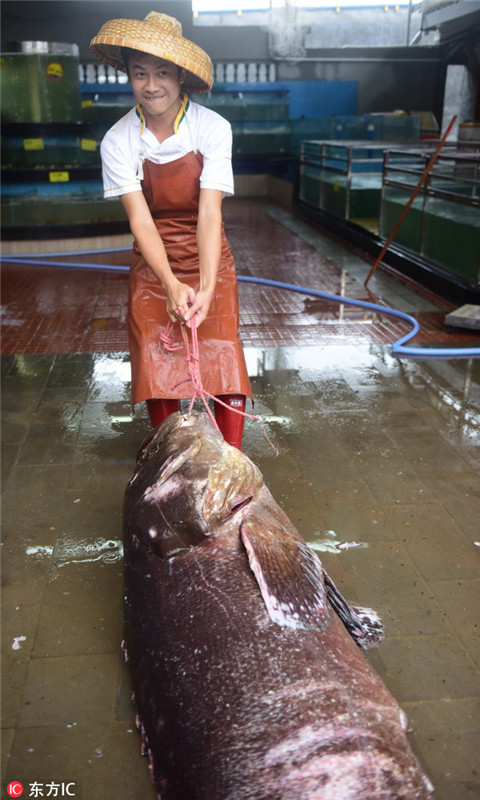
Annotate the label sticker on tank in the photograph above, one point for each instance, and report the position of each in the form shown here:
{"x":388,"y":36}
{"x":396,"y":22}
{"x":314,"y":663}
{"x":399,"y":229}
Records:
{"x":88,"y":144}
{"x":33,"y":144}
{"x":55,"y":70}
{"x":58,"y":177}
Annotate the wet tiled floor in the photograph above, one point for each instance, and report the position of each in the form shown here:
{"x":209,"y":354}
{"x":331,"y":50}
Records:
{"x":49,"y":309}
{"x":379,"y":468}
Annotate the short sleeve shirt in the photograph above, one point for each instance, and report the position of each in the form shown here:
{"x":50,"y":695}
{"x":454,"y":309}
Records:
{"x":197,"y":128}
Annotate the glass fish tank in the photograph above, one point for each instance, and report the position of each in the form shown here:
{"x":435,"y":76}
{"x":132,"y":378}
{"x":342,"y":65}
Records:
{"x":40,"y":83}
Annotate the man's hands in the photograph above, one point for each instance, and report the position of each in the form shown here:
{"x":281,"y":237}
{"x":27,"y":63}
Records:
{"x":184,"y":303}
{"x":182,"y":299}
{"x":180,"y":296}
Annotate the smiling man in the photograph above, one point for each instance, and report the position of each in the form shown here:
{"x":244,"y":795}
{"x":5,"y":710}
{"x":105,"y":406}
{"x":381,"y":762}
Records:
{"x":169,"y":161}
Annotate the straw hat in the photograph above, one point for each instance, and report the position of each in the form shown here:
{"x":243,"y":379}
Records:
{"x":159,"y":35}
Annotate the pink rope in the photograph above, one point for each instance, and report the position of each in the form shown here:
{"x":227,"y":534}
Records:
{"x":193,"y":364}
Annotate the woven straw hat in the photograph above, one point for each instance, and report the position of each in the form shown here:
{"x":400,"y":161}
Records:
{"x":159,"y":35}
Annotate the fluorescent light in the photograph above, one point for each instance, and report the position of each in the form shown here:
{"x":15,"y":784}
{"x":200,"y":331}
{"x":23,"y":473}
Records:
{"x":219,"y":6}
{"x":205,"y":6}
{"x":319,"y":4}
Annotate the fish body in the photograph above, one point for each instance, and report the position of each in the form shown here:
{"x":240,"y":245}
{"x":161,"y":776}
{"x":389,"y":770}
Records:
{"x":246,"y":670}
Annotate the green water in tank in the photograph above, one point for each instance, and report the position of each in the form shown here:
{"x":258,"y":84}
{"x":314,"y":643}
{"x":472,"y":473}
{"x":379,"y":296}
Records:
{"x":39,"y":87}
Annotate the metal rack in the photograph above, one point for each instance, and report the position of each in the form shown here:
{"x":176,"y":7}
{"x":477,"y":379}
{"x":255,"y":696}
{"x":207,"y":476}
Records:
{"x":443,"y":224}
{"x":342,"y":178}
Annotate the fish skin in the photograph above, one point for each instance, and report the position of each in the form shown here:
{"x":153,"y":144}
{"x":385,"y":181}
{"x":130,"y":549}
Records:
{"x":234,"y":705}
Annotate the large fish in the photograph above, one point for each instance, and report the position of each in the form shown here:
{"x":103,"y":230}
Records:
{"x":246,"y":670}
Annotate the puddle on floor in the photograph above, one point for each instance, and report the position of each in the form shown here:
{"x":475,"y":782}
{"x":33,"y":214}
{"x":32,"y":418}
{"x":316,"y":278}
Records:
{"x":330,"y":544}
{"x":68,"y":551}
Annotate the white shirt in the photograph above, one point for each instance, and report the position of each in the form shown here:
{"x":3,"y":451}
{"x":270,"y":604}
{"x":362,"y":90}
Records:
{"x":129,"y":142}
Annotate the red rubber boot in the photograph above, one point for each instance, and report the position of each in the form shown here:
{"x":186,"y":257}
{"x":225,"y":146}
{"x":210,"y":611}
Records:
{"x":159,"y":410}
{"x":229,"y":422}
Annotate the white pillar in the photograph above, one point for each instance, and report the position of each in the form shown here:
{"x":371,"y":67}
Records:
{"x":459,"y":99}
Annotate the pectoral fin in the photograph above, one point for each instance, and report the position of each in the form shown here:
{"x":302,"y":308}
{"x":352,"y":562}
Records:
{"x":289,"y":574}
{"x":297,"y":592}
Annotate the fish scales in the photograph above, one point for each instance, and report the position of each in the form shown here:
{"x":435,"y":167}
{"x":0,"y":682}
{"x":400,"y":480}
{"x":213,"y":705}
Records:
{"x":235,"y":705}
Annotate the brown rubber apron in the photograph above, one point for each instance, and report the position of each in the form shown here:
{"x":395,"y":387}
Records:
{"x":172,"y":192}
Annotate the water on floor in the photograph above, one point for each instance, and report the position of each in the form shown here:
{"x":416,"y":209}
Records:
{"x":378,"y":468}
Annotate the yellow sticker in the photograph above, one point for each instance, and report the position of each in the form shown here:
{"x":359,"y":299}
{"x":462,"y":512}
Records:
{"x":33,"y":144}
{"x":55,"y":70}
{"x":88,"y":144}
{"x":2,"y":63}
{"x":87,"y":103}
{"x":58,"y":177}
{"x":336,"y":186}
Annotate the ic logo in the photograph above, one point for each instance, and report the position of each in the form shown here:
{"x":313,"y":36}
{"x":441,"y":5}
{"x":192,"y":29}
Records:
{"x":15,"y":789}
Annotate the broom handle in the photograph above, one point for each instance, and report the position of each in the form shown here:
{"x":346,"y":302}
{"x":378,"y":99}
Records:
{"x":412,"y":198}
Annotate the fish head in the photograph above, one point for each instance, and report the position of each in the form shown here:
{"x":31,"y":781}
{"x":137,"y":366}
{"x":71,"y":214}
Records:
{"x":187,"y":485}
{"x":190,"y":486}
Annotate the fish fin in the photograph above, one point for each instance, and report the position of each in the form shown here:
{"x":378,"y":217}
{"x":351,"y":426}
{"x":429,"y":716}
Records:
{"x":290,"y":577}
{"x":363,"y":624}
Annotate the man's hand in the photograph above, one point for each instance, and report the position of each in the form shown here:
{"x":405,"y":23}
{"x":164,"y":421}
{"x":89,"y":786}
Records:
{"x":180,"y":297}
{"x":198,"y":308}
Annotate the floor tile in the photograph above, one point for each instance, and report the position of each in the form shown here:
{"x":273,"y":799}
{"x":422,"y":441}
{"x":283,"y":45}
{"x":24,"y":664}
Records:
{"x":446,"y":735}
{"x":459,"y":599}
{"x":384,"y":577}
{"x":412,"y":666}
{"x":57,"y":688}
{"x":85,"y":599}
{"x":89,"y":755}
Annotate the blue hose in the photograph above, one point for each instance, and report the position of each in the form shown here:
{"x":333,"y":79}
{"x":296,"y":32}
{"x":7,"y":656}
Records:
{"x":36,"y":261}
{"x":17,"y":257}
{"x":398,"y":347}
